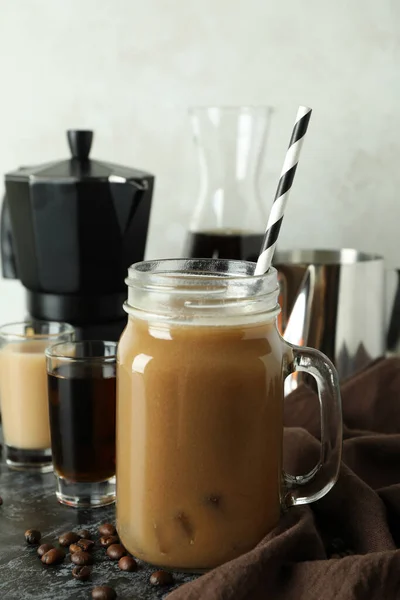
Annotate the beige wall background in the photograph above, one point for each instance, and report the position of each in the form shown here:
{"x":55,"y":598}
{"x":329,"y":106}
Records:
{"x":130,"y":69}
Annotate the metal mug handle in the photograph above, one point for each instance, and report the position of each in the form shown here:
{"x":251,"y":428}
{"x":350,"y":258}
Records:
{"x":303,"y":489}
{"x":392,"y":281}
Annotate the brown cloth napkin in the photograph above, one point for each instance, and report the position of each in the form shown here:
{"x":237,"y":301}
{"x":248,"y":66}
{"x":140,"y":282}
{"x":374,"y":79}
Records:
{"x":343,"y":547}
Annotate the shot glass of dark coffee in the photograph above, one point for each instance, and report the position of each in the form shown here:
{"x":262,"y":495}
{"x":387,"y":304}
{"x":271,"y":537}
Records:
{"x":82,"y":390}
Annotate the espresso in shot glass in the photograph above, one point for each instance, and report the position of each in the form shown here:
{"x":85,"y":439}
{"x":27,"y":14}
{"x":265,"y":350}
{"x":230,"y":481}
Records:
{"x":23,"y":391}
{"x":82,"y":389}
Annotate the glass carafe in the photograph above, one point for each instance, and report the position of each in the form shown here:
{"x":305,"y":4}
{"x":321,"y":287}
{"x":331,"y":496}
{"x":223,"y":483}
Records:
{"x":229,"y":218}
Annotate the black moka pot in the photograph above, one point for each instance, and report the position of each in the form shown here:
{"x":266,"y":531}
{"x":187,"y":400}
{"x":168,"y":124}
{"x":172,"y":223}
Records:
{"x":69,"y":231}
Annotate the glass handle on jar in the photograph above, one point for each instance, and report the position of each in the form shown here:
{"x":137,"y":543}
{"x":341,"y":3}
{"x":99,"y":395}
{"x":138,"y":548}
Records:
{"x":303,"y":489}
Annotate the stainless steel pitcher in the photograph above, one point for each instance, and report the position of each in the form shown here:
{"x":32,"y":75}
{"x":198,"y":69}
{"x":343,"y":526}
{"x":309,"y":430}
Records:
{"x":335,"y":301}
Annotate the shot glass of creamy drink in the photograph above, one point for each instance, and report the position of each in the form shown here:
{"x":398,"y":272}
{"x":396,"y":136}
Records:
{"x":23,"y":391}
{"x":200,"y":375}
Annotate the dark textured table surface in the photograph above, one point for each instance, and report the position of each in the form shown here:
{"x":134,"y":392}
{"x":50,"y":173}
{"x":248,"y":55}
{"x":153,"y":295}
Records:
{"x":29,"y":502}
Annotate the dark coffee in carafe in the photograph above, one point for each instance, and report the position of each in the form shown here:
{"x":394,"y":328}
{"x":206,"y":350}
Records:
{"x":223,"y":243}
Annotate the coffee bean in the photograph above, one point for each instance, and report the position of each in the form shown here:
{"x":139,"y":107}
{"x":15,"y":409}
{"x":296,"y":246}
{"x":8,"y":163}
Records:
{"x":74,"y":548}
{"x":107,"y":540}
{"x":53,"y":557}
{"x":84,"y":534}
{"x":1,"y":500}
{"x":85,"y":544}
{"x":161,"y":578}
{"x":116,"y":551}
{"x":81,"y":558}
{"x":32,"y":536}
{"x":44,"y":548}
{"x":103,"y":592}
{"x":66,"y":539}
{"x":107,"y":529}
{"x":81,"y":573}
{"x":127,"y":563}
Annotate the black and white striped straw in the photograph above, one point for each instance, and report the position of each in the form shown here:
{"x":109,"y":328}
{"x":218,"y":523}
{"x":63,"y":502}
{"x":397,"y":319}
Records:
{"x":283,"y":190}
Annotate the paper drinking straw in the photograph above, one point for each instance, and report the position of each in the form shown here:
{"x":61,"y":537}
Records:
{"x":283,"y":190}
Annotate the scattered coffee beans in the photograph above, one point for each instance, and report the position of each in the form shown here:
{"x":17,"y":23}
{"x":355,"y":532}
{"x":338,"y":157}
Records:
{"x":107,"y":529}
{"x":161,"y":578}
{"x":116,"y":551}
{"x":81,"y":573}
{"x":66,"y":539}
{"x":127,"y":563}
{"x":53,"y":557}
{"x":85,"y":544}
{"x":33,"y":536}
{"x":74,"y":548}
{"x":103,"y":592}
{"x":84,"y":534}
{"x":44,"y":548}
{"x":107,"y":540}
{"x":81,"y":558}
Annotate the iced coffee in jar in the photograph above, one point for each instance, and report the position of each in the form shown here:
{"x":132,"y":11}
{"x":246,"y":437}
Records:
{"x":201,"y":367}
